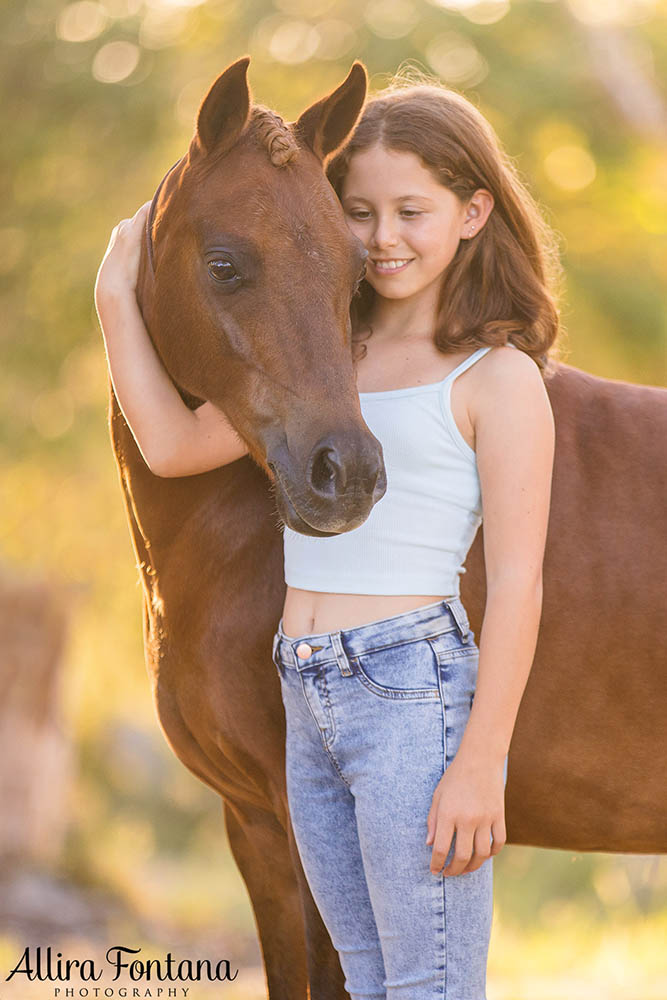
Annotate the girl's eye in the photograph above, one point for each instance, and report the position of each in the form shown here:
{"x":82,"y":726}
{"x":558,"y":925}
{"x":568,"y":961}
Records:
{"x":362,"y":216}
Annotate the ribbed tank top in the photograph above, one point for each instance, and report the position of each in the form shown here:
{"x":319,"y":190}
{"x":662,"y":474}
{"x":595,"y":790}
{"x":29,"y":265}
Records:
{"x":417,"y":537}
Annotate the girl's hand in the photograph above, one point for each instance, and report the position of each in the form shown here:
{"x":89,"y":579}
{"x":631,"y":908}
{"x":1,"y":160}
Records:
{"x":469,"y":801}
{"x":119,"y":269}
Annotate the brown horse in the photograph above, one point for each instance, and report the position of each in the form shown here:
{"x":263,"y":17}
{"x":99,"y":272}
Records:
{"x":245,"y":287}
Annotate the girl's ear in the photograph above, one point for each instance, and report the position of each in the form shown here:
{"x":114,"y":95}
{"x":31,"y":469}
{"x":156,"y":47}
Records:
{"x":324,"y":126}
{"x":224,"y":111}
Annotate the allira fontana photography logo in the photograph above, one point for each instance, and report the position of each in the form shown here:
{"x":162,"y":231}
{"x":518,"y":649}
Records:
{"x":85,"y":975}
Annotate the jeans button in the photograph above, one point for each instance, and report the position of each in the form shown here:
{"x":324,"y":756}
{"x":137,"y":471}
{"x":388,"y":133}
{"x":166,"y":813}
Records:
{"x":303,"y":650}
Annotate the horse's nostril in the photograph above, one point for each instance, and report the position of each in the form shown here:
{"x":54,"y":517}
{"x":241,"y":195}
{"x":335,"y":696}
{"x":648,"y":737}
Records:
{"x":328,"y":466}
{"x":327,"y":474}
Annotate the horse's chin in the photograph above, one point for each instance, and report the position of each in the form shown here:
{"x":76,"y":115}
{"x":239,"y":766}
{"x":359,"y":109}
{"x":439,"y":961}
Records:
{"x":296,"y":523}
{"x":302,"y":521}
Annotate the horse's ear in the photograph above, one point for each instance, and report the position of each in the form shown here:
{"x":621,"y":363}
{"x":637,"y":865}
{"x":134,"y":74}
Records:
{"x":224,"y":111}
{"x":324,"y":126}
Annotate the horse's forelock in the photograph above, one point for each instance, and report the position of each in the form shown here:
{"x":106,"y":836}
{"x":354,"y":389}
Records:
{"x":274,"y":135}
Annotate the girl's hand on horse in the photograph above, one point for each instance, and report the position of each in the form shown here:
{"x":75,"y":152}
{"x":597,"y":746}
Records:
{"x":119,"y":269}
{"x":469,"y":801}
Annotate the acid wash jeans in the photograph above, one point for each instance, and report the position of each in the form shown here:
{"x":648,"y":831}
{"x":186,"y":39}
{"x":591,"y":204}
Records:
{"x":375,"y":714}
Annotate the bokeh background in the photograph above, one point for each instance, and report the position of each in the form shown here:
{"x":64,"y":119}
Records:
{"x":105,"y":838}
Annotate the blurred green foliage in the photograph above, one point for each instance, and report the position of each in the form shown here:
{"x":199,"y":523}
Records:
{"x":100,"y":98}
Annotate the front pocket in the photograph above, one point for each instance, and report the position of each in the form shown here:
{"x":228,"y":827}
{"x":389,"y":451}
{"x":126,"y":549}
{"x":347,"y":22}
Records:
{"x":408,"y":670}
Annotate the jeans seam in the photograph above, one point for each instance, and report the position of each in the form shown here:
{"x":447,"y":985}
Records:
{"x":443,"y":706}
{"x":456,"y":654}
{"x":328,"y":744}
{"x":443,"y":881}
{"x":333,"y":760}
{"x":329,"y":710}
{"x":395,"y":694}
{"x":325,"y":745}
{"x":403,"y":642}
{"x":307,"y":701}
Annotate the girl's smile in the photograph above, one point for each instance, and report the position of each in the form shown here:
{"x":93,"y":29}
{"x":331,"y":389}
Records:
{"x":389,"y":266}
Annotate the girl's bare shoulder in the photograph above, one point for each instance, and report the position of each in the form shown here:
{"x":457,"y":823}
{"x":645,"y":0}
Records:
{"x":508,"y":378}
{"x":506,"y":361}
{"x":506,"y":369}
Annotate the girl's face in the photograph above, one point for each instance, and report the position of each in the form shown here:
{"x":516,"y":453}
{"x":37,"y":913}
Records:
{"x":410,"y":224}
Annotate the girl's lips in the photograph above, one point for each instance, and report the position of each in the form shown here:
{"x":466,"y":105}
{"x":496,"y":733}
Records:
{"x":389,"y":270}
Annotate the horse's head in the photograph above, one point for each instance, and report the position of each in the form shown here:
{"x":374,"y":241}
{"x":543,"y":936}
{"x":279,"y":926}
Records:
{"x":246,"y":285}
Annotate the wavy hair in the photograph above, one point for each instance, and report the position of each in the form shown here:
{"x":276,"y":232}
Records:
{"x":503,"y":284}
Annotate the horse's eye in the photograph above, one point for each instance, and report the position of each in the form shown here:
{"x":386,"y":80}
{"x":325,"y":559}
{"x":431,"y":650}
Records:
{"x":222,"y":270}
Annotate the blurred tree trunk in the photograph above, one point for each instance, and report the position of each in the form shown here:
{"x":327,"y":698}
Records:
{"x":35,"y":752}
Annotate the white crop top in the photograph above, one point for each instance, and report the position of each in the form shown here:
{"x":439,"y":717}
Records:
{"x":417,"y":537}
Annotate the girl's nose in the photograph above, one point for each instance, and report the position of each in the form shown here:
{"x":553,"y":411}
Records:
{"x":385,"y":234}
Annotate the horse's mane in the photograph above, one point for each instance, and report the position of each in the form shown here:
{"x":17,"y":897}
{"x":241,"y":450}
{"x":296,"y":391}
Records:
{"x":273,"y":133}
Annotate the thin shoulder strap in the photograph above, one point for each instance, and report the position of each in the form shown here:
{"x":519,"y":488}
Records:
{"x":467,"y":363}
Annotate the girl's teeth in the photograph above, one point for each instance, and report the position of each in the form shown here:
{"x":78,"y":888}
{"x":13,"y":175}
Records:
{"x":390,"y":265}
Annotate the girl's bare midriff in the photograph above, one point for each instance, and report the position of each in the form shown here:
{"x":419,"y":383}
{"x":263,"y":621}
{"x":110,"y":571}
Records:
{"x":309,"y":613}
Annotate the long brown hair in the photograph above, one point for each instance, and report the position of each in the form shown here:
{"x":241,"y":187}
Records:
{"x":500,"y":286}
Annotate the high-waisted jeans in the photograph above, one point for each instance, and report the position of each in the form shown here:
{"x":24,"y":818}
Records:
{"x":375,"y":714}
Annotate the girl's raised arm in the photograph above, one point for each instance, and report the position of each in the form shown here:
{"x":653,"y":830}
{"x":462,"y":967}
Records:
{"x":173,"y":440}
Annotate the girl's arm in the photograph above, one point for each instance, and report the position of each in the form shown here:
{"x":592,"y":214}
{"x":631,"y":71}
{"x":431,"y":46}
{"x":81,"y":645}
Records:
{"x":173,"y":440}
{"x":515,"y":440}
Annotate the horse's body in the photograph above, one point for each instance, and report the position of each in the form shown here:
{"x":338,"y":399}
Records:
{"x":588,"y":753}
{"x":587,"y":758}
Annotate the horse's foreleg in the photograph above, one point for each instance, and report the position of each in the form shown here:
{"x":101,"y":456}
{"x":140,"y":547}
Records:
{"x":292,"y":934}
{"x":261,"y":851}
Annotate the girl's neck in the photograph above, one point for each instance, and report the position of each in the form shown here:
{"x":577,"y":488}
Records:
{"x":400,"y":319}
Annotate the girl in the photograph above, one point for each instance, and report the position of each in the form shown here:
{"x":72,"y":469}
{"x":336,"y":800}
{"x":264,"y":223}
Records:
{"x":398,"y":724}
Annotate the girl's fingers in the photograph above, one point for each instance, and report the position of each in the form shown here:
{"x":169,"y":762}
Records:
{"x":462,"y":851}
{"x":120,"y":264}
{"x":482,"y":841}
{"x":499,"y":836}
{"x":138,"y":217}
{"x":128,"y":231}
{"x":142,"y":211}
{"x":443,"y":839}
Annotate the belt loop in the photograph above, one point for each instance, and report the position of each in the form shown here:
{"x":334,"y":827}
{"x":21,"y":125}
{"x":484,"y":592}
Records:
{"x":461,"y":618}
{"x":276,"y":640}
{"x":341,"y":655}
